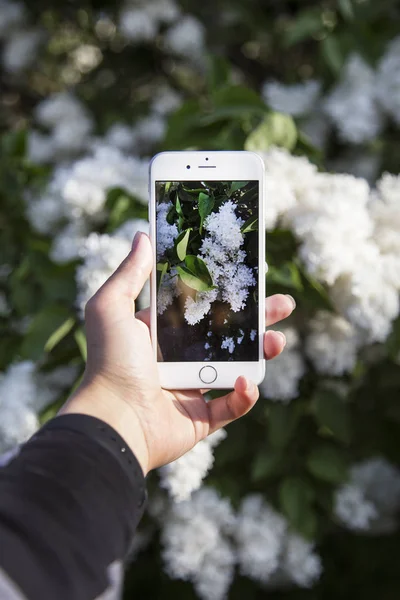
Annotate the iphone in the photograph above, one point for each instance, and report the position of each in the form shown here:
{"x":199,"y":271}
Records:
{"x":208,"y":280}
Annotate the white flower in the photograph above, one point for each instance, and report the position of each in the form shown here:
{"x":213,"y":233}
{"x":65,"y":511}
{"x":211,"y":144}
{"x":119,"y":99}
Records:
{"x":296,"y":100}
{"x":149,"y":131}
{"x":221,"y":252}
{"x":388,"y":80}
{"x":83,"y":187}
{"x":371,"y":499}
{"x":285,"y":175}
{"x":353,"y":509}
{"x":24,"y":392}
{"x":284,"y":373}
{"x":166,"y":233}
{"x":260,"y":533}
{"x":167,"y":291}
{"x":166,"y":100}
{"x":300,"y":563}
{"x":384,"y":210}
{"x":121,"y":136}
{"x":137,"y":25}
{"x":57,"y":108}
{"x":186,"y":38}
{"x":71,"y":137}
{"x":185,"y":475}
{"x":332,"y":344}
{"x":45,"y":213}
{"x":164,"y":11}
{"x":20,"y":50}
{"x":352,"y":105}
{"x":228,"y":343}
{"x":196,"y":310}
{"x":102,"y":254}
{"x":316,"y":128}
{"x":12,"y":16}
{"x":67,"y":244}
{"x":196,"y":546}
{"x":40,"y":147}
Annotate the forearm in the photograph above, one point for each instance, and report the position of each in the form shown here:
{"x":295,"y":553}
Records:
{"x":69,"y":505}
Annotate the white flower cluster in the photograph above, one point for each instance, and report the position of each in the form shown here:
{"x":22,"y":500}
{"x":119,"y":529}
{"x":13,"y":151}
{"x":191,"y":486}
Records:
{"x":333,"y":217}
{"x":370,"y":500}
{"x":203,"y":540}
{"x":185,"y":475}
{"x":352,"y":105}
{"x":21,"y":41}
{"x":197,"y":545}
{"x":76,"y":195}
{"x":69,"y":127}
{"x":297,"y":100}
{"x":23,"y":393}
{"x":388,"y":80}
{"x":141,"y":21}
{"x":222,"y":253}
{"x":268,"y":552}
{"x":357,"y":106}
{"x":166,"y":233}
{"x":283,"y":374}
{"x":102,"y":254}
{"x":332,"y":344}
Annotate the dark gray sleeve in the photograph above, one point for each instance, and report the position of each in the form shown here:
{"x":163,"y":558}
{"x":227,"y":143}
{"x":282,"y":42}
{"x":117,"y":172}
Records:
{"x":70,"y":502}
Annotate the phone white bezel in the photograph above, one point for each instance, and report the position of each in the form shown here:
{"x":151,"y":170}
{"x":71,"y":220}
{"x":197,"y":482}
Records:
{"x":220,"y":166}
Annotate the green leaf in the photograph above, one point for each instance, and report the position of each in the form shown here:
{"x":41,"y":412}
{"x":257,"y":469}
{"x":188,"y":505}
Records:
{"x":287,"y":275}
{"x":328,"y":463}
{"x":276,"y":129}
{"x":59,"y":334}
{"x":218,"y":72}
{"x":163,"y":267}
{"x":296,"y":497}
{"x":234,"y":101}
{"x":250,"y":225}
{"x":40,"y":330}
{"x":237,"y":185}
{"x":206,"y":204}
{"x":178,"y":206}
{"x":265,"y":464}
{"x":282,"y":422}
{"x":182,"y":243}
{"x":332,"y":53}
{"x":315,"y":295}
{"x":195,"y":274}
{"x":332,"y":412}
{"x":80,"y":339}
{"x":306,"y":24}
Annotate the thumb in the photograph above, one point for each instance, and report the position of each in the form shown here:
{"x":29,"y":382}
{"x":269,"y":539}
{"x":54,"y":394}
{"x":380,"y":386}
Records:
{"x":130,"y":277}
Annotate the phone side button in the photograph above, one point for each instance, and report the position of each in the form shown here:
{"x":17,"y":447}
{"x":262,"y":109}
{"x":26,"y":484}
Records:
{"x":208,"y":374}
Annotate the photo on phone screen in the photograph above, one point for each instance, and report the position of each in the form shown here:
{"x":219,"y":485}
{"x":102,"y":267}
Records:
{"x":207,"y":270}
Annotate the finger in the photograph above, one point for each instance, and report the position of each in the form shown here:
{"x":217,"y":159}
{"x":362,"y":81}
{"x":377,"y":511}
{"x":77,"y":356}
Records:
{"x":128,"y":280}
{"x":278,"y":307}
{"x":232,"y":406}
{"x":274,"y":343}
{"x":144,"y":315}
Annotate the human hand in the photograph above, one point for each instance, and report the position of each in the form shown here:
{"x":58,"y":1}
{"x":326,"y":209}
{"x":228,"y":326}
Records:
{"x":121,"y":384}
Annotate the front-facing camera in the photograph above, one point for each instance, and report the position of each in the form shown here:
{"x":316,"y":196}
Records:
{"x":188,"y":166}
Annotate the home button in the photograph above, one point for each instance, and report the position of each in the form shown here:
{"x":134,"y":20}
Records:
{"x":208,"y":374}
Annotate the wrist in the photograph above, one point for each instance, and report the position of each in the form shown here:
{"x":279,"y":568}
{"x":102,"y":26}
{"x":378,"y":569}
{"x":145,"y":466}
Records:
{"x":95,"y":400}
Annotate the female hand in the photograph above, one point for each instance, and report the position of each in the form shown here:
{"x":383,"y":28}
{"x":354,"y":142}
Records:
{"x":121,"y":384}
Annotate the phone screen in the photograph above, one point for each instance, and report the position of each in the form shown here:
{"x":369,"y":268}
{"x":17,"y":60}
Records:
{"x":207,"y":238}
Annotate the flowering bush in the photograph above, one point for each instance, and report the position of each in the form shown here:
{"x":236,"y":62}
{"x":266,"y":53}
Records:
{"x":301,"y":498}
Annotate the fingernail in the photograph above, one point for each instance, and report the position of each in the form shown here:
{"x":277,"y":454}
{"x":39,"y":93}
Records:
{"x":136,"y":239}
{"x":282,"y":335}
{"x":293,"y":301}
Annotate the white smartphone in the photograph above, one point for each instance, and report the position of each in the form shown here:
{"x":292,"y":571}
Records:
{"x":208,"y":281}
